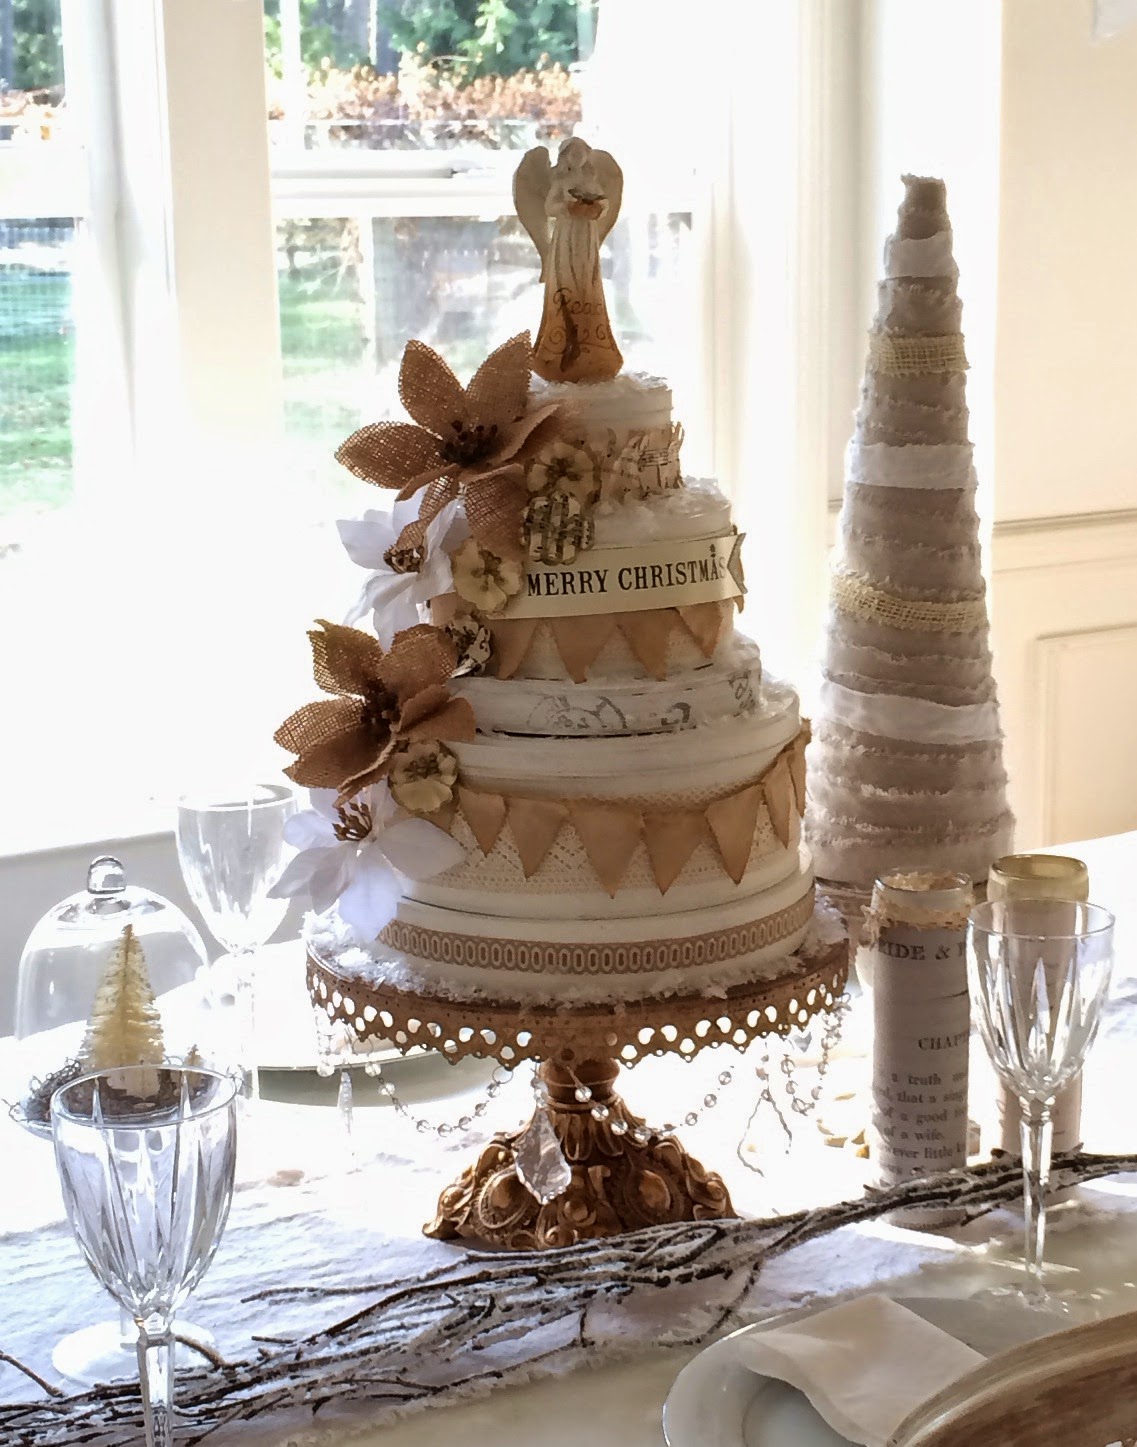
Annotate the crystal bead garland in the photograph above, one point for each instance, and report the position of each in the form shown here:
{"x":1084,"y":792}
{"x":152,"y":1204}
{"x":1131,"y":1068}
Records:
{"x":501,"y":1077}
{"x":642,"y":1135}
{"x":802,"y":1040}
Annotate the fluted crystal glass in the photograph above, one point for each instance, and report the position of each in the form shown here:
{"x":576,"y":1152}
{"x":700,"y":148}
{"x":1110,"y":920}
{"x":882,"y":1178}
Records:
{"x":146,"y":1158}
{"x":1040,"y":971}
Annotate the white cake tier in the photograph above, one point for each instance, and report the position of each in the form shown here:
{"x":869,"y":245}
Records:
{"x":469,"y":956}
{"x":627,"y":405}
{"x":696,"y":510}
{"x":724,"y":689}
{"x":688,"y":514}
{"x":640,"y":788}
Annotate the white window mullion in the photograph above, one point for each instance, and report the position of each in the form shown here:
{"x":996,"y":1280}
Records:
{"x":225,"y":415}
{"x":101,"y":412}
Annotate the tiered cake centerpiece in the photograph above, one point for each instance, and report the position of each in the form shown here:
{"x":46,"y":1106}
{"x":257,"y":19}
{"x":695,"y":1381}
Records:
{"x":561,"y":820}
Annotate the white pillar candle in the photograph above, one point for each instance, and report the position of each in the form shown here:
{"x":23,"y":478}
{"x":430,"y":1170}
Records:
{"x":916,"y":933}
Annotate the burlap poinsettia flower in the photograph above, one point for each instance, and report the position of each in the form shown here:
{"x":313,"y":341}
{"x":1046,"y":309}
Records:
{"x":473,"y":441}
{"x":384,"y":700}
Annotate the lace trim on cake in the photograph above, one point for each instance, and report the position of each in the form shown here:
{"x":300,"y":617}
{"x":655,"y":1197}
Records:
{"x":600,"y":958}
{"x":611,"y":830}
{"x":567,"y":872}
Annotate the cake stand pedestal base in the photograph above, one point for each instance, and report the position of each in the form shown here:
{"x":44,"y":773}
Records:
{"x":619,"y":1182}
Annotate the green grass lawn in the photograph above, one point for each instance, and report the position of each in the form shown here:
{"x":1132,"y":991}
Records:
{"x":320,"y":324}
{"x":36,"y":365}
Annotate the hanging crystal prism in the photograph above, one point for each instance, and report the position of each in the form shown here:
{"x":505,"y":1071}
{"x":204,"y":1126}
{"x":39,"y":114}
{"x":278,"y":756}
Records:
{"x":541,"y":1165}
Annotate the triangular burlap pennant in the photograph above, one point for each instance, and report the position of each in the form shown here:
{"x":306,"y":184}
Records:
{"x":610,"y":836}
{"x":648,"y":635}
{"x":579,"y":640}
{"x":443,"y":816}
{"x":705,"y":623}
{"x":778,"y":786}
{"x":671,"y":839}
{"x":511,"y":641}
{"x":797,"y":763}
{"x":732,"y":823}
{"x":534,"y":824}
{"x":485,"y":814}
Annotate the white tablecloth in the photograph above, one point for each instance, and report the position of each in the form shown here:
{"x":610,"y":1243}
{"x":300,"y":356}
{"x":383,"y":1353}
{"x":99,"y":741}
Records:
{"x":343,"y":1225}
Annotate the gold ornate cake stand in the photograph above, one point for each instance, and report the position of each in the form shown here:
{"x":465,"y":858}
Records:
{"x":624,"y":1174}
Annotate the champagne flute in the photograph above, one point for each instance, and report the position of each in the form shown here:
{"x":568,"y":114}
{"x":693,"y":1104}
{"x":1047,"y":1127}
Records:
{"x":231,"y":850}
{"x":146,"y":1158}
{"x":1040,"y":971}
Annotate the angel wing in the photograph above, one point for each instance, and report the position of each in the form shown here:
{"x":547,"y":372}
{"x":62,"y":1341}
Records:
{"x":531,"y":182}
{"x":611,"y":180}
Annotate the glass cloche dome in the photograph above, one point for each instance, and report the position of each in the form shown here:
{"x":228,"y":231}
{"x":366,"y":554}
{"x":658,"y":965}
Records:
{"x":64,"y":962}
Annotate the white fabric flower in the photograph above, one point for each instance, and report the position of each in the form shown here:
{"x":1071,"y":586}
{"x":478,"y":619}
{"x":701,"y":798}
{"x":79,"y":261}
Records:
{"x":356,"y":856}
{"x":483,"y":579}
{"x":391,"y":596}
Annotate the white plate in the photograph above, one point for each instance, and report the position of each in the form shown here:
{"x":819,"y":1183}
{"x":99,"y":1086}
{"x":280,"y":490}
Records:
{"x":717,"y":1402}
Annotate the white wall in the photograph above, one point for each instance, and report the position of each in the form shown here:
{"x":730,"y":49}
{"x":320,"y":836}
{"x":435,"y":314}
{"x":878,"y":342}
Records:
{"x":1066,"y":360}
{"x":1065,"y":542}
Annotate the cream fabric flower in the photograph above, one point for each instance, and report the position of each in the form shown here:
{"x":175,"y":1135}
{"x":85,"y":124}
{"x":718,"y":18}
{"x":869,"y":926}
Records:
{"x":565,"y":469}
{"x":423,"y":776}
{"x":486,"y":581}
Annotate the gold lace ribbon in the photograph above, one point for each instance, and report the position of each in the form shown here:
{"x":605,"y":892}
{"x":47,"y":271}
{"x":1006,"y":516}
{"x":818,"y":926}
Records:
{"x":854,"y":596}
{"x":904,"y":356}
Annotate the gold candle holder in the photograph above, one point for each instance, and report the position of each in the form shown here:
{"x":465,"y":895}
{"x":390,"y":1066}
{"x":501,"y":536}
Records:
{"x":1065,"y":880}
{"x":1039,"y":876}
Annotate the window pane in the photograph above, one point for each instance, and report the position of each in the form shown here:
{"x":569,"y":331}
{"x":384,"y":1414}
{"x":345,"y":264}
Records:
{"x":419,"y":75}
{"x":37,"y":342}
{"x":31,"y":70}
{"x":352,"y":290}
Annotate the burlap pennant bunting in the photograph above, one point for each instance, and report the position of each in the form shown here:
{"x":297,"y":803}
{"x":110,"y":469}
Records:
{"x":649,"y":637}
{"x":779,"y":791}
{"x":485,"y":814}
{"x":580,"y":640}
{"x":610,"y":837}
{"x":610,"y":831}
{"x":797,"y":763}
{"x":732,"y":823}
{"x":535,"y":824}
{"x":512,"y":639}
{"x":706,"y":623}
{"x":670,"y":840}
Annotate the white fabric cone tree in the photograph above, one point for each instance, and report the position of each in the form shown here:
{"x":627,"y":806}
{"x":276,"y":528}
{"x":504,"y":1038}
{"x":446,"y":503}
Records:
{"x":906,"y":766}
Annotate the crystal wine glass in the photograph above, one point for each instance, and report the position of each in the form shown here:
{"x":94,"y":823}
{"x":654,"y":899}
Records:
{"x":231,"y":849}
{"x":146,"y":1158}
{"x":1040,"y":972}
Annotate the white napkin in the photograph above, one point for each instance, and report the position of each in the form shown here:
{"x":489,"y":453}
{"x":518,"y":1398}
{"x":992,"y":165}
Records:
{"x":863,"y":1365}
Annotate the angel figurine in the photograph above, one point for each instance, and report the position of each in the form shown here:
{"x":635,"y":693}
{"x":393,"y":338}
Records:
{"x":580,"y":196}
